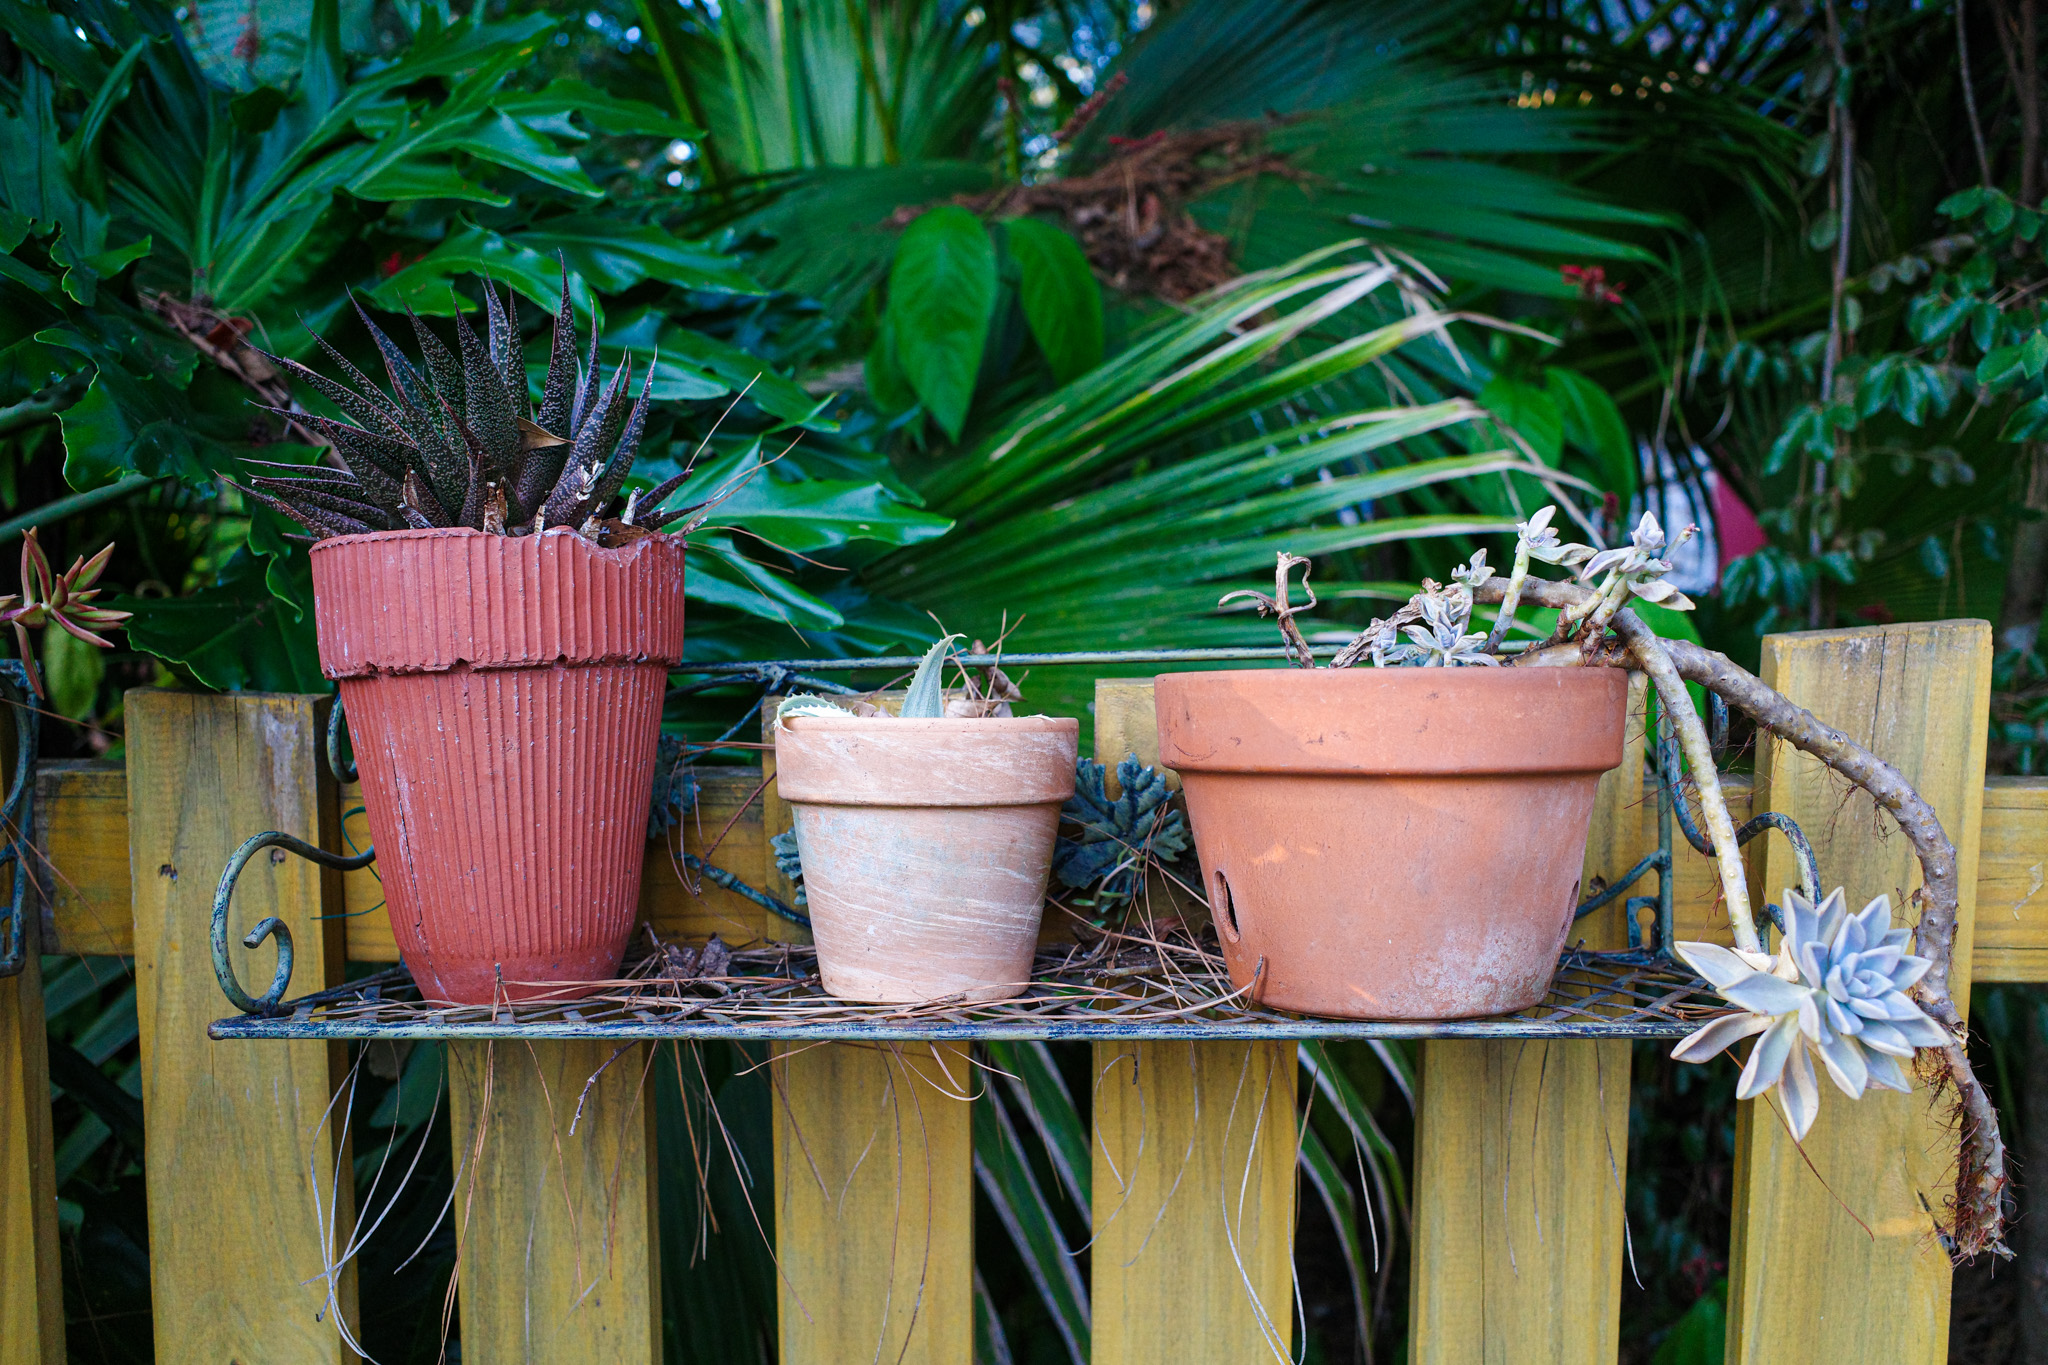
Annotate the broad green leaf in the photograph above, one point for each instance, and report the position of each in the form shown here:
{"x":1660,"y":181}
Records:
{"x":604,"y":112}
{"x":2029,"y":422}
{"x":1531,"y":413}
{"x":1593,"y":424}
{"x":1701,"y":1336}
{"x":886,"y":385}
{"x":1825,"y":230}
{"x":613,"y":256}
{"x":2034,"y":354}
{"x":800,"y":515}
{"x":233,"y":635}
{"x":1062,"y":302}
{"x":719,"y":575}
{"x":423,"y":178}
{"x":942,"y":293}
{"x":506,"y":142}
{"x":72,"y":670}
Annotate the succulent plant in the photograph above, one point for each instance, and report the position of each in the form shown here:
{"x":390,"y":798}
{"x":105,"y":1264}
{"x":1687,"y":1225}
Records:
{"x":925,"y":700}
{"x":1638,"y":567}
{"x":456,"y":441}
{"x":63,"y":600}
{"x":1537,"y":539}
{"x":789,"y":861}
{"x":1114,"y":834}
{"x":1837,"y":989}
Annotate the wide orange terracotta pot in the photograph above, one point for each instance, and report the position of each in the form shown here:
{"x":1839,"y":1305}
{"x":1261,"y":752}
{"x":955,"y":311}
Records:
{"x":504,"y":701}
{"x":1392,"y":843}
{"x":925,"y":847}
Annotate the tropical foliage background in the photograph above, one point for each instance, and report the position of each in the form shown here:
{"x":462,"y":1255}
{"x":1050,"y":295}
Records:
{"x":1057,"y":316}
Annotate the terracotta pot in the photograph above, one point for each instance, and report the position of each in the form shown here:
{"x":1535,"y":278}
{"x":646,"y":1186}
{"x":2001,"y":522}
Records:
{"x":925,"y":846}
{"x":504,"y":699}
{"x":1397,"y":843}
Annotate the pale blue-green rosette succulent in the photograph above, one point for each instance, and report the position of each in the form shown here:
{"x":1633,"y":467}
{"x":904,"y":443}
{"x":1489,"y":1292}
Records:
{"x":1837,"y":989}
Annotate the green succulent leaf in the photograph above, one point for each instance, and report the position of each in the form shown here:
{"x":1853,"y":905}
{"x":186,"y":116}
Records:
{"x":926,"y":698}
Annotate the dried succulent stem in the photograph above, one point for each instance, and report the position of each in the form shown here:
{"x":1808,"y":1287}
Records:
{"x":1646,"y":652}
{"x":1510,"y":600}
{"x":1279,"y":607}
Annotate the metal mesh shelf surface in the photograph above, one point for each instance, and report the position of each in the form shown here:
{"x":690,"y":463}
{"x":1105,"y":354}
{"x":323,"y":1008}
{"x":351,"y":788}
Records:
{"x":1118,"y":986}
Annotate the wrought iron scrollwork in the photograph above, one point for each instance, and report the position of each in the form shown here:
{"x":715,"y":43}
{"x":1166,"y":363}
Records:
{"x":1672,"y":808}
{"x":282,"y":978}
{"x":18,"y":815}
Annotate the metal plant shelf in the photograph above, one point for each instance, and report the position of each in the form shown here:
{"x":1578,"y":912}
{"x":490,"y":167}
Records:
{"x":1116,"y":985}
{"x":1120,"y":987}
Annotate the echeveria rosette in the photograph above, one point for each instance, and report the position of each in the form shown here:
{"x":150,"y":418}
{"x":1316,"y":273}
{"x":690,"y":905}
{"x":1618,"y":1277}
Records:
{"x":1837,"y":989}
{"x":1638,"y":567}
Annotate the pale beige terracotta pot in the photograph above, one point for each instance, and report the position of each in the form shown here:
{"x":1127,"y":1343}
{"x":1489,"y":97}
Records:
{"x":1392,"y":843}
{"x":925,"y":846}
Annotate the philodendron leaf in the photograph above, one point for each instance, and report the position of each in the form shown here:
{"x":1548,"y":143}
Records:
{"x":1062,"y":302}
{"x":926,"y":699}
{"x":942,"y":292}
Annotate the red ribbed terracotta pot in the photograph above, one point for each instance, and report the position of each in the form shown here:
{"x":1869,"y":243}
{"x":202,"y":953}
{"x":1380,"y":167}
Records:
{"x":504,"y":700}
{"x":1392,"y":843}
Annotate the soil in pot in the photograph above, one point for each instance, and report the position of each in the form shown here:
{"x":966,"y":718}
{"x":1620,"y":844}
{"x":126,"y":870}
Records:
{"x":925,"y":845}
{"x":1392,"y":843}
{"x":504,"y":702}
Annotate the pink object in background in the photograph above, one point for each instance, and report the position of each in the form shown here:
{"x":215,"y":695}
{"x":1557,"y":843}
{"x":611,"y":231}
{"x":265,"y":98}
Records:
{"x":504,"y":701}
{"x":1735,"y":526}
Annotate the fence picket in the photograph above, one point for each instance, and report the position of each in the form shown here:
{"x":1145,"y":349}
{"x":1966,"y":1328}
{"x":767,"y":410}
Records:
{"x":1194,"y":1155}
{"x":1521,"y":1153}
{"x":237,"y":1150}
{"x":874,"y":1203}
{"x":558,"y":1249}
{"x":1809,"y":1280}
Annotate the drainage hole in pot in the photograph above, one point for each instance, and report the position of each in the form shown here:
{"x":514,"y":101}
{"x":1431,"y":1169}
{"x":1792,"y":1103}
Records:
{"x":1226,"y":910}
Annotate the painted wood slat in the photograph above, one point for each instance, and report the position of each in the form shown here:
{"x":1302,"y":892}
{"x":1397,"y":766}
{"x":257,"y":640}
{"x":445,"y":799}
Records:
{"x":558,"y":1250}
{"x":1522,"y":1156}
{"x":1918,"y":696}
{"x":874,"y":1203}
{"x":1193,"y":1202}
{"x":83,"y":812}
{"x":1194,"y":1156}
{"x":2012,"y":874}
{"x":31,"y":1288}
{"x":243,"y":1187}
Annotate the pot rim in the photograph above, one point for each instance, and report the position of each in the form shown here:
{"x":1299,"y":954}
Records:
{"x":816,"y":724}
{"x":434,"y":532}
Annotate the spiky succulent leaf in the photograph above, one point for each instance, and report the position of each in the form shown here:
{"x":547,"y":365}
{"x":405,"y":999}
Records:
{"x":558,"y":391}
{"x":491,"y":416}
{"x":806,"y":704}
{"x":444,"y":372}
{"x":504,"y":336}
{"x":628,"y":447}
{"x":328,"y":497}
{"x":926,"y":698}
{"x":587,"y":388}
{"x":319,"y":521}
{"x":406,"y":382}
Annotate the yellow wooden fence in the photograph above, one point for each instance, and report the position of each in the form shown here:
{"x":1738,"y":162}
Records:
{"x":1521,"y":1145}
